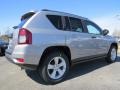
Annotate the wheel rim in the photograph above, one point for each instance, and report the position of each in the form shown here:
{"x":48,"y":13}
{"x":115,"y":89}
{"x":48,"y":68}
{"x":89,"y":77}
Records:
{"x":56,"y":68}
{"x":113,"y":54}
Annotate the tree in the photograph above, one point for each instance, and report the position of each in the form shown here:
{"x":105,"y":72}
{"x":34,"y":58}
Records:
{"x":116,"y":33}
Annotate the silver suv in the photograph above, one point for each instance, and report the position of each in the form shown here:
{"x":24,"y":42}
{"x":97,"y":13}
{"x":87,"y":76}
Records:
{"x":51,"y":42}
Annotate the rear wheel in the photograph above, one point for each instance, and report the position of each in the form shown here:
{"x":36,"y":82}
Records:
{"x":54,"y":68}
{"x":112,"y":55}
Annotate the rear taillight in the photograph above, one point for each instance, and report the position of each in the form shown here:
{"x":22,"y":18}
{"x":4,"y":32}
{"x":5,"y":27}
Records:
{"x":25,"y":36}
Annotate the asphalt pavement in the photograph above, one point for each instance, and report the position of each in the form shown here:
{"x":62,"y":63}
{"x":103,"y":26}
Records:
{"x":94,"y":75}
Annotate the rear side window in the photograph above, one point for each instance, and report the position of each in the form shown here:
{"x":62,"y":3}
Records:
{"x":76,"y":24}
{"x":67,"y":24}
{"x":56,"y":21}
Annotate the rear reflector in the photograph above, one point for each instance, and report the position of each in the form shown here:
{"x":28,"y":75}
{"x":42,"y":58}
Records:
{"x":20,"y":60}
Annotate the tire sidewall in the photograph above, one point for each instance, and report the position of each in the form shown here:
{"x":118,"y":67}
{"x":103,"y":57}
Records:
{"x":44,"y":72}
{"x":109,"y":55}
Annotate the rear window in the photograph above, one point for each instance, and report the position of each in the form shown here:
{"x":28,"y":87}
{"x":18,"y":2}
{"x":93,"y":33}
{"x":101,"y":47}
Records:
{"x":22,"y":23}
{"x":76,"y":24}
{"x":24,"y":19}
{"x":56,"y":21}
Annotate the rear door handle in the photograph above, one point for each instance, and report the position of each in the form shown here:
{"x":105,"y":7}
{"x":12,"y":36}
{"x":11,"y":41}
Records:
{"x":93,"y":37}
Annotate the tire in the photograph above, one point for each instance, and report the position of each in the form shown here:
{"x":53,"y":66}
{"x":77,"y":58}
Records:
{"x":54,"y":67}
{"x":2,"y":52}
{"x":112,"y":55}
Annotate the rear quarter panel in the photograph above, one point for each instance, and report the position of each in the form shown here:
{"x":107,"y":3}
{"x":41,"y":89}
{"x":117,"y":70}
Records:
{"x":44,"y":35}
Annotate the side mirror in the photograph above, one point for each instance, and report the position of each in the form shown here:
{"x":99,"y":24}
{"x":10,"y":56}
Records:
{"x":105,"y":32}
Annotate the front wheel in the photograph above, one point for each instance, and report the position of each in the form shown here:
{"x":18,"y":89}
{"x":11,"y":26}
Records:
{"x":112,"y":55}
{"x":54,"y":67}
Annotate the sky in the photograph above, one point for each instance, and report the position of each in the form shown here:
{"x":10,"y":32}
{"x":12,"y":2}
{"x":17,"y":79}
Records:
{"x":103,"y":12}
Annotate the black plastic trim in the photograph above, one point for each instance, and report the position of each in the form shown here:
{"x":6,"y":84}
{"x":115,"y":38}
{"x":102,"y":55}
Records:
{"x":88,"y":58}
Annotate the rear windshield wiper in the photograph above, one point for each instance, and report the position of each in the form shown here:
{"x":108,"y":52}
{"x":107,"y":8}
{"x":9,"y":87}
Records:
{"x":15,"y":27}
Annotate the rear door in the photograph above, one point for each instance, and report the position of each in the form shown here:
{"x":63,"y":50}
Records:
{"x":79,"y":40}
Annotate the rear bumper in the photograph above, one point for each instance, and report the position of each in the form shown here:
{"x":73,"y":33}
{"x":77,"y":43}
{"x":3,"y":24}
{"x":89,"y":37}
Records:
{"x":24,"y":66}
{"x":29,"y":53}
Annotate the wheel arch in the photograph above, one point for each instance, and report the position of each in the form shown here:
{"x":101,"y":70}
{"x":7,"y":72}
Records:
{"x":114,"y":44}
{"x":64,"y":49}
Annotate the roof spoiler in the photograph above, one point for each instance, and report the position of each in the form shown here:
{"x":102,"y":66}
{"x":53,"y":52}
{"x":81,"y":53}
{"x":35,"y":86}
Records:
{"x":27,"y":15}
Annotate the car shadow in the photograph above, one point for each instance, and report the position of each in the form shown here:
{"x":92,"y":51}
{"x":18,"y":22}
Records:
{"x":118,"y":58}
{"x":76,"y":70}
{"x":2,"y":55}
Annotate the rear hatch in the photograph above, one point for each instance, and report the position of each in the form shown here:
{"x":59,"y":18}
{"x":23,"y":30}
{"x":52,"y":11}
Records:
{"x":14,"y":40}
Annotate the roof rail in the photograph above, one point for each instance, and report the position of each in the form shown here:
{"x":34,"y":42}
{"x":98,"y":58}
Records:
{"x":45,"y":10}
{"x":49,"y":10}
{"x":62,"y":12}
